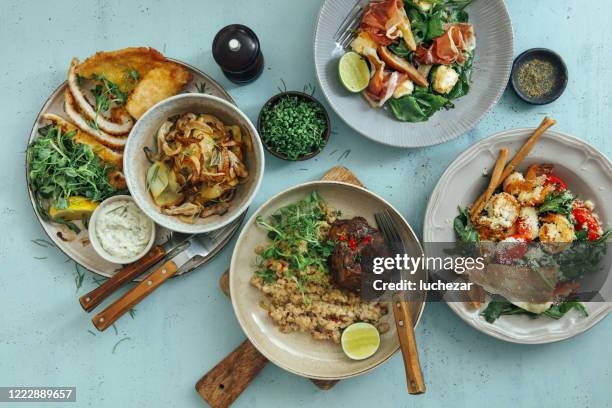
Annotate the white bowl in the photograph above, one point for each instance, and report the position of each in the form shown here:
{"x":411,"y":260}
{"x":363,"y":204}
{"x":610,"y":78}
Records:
{"x":97,"y":246}
{"x":135,"y":162}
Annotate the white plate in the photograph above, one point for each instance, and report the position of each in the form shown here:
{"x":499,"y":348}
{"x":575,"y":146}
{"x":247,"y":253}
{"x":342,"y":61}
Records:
{"x":492,"y":66}
{"x":587,"y":172}
{"x":299,"y":353}
{"x":79,"y":249}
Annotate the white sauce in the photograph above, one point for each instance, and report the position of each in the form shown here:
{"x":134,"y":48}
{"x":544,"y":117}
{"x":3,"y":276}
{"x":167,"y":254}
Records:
{"x":123,"y":230}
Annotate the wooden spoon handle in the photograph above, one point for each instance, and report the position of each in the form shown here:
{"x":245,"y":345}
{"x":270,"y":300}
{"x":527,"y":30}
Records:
{"x":405,"y":330}
{"x":226,"y":381}
{"x":113,"y":312}
{"x":124,"y":275}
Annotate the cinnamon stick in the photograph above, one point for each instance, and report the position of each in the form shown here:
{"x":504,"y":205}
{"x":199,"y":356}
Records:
{"x":521,"y":154}
{"x":493,"y":183}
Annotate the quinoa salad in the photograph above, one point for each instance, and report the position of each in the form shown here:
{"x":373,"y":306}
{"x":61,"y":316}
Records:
{"x":294,"y":275}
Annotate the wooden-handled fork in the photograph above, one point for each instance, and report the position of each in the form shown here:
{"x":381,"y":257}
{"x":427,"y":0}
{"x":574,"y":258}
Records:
{"x":402,"y":313}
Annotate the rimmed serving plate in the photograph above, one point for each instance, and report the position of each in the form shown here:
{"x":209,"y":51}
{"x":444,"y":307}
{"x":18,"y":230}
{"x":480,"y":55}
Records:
{"x":588,"y":173}
{"x":492,"y":66}
{"x":79,"y":248}
{"x":299,"y":353}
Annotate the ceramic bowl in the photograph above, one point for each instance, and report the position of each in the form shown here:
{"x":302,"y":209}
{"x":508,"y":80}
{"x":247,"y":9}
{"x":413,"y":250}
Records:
{"x":542,"y":54}
{"x":298,"y":352}
{"x":135,"y":162}
{"x":303,"y":96}
{"x":97,"y":246}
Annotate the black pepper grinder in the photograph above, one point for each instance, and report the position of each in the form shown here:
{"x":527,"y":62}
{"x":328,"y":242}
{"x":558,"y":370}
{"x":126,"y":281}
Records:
{"x":237,"y":51}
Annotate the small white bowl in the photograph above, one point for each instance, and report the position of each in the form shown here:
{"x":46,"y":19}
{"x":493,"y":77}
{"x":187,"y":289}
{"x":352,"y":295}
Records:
{"x":97,"y":246}
{"x":135,"y":163}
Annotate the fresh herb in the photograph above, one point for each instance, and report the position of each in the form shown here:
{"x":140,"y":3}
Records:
{"x":419,"y":106}
{"x":107,"y":94}
{"x":78,"y":277}
{"x":297,"y":242}
{"x":43,"y":243}
{"x":60,"y":168}
{"x":293,"y":126}
{"x":91,"y":332}
{"x":559,"y":202}
{"x":201,"y":87}
{"x":132,"y":313}
{"x":497,"y":308}
{"x":119,"y":342}
{"x":463,"y":227}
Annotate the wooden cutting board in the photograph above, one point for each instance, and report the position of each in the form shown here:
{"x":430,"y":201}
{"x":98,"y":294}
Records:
{"x":227,"y":380}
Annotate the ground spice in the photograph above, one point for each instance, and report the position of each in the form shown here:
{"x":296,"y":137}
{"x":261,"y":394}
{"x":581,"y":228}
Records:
{"x":537,"y":78}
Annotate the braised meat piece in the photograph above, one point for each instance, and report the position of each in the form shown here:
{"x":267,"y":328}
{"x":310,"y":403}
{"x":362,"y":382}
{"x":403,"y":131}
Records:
{"x":356,"y":245}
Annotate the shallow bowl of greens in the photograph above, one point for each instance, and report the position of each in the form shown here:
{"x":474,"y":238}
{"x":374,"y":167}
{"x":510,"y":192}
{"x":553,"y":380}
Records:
{"x":143,"y":137}
{"x":490,"y":71}
{"x":586,"y":170}
{"x":298,"y":352}
{"x":293,"y":126}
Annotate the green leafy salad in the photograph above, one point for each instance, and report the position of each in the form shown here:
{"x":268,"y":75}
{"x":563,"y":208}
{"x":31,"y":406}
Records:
{"x":421,"y":65}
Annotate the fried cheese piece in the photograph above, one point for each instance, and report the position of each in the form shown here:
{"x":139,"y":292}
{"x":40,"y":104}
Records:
{"x":158,"y":84}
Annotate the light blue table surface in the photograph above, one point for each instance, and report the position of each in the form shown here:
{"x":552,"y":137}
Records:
{"x":188,"y":325}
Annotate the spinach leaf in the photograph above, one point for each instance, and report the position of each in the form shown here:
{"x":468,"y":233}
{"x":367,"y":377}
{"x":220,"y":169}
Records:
{"x":418,"y":22}
{"x":465,"y":78}
{"x":435,"y":26}
{"x":400,"y":50}
{"x":419,"y":106}
{"x":464,"y":228}
{"x":559,"y":202}
{"x":559,"y":310}
{"x":497,"y":308}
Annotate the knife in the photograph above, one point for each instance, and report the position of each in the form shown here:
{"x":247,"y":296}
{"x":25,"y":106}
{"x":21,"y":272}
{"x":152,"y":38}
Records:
{"x":185,"y":256}
{"x":129,"y":272}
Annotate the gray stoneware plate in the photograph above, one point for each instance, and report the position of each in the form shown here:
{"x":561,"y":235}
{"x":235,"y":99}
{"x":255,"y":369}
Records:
{"x":298,"y":352}
{"x":79,"y":249}
{"x":588,"y":173}
{"x":492,"y":66}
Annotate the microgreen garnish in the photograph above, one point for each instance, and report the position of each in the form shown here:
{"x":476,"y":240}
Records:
{"x":60,"y":168}
{"x":293,"y":126}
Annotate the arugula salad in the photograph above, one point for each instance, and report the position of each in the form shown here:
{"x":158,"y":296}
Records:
{"x":419,"y":56}
{"x":547,"y":240}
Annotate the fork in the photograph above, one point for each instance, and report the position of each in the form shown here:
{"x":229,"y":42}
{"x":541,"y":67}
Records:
{"x":346,"y":32}
{"x":401,"y":311}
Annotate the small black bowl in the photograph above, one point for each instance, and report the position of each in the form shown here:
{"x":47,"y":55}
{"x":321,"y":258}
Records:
{"x":304,"y":96}
{"x":542,"y":54}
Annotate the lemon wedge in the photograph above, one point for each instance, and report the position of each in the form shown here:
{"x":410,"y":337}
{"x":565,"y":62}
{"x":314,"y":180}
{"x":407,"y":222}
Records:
{"x":360,"y":341}
{"x":78,"y":208}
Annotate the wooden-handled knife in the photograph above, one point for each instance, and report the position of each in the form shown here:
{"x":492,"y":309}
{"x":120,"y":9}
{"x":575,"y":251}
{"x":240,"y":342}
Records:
{"x":130,"y":272}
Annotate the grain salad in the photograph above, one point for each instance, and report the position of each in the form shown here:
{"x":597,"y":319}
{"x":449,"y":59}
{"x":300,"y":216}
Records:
{"x":293,"y":274}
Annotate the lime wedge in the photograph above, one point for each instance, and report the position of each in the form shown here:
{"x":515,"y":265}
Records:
{"x":360,"y":340}
{"x":354,"y":72}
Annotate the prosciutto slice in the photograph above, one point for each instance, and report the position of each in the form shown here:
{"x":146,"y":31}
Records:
{"x":449,"y":47}
{"x":382,"y":20}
